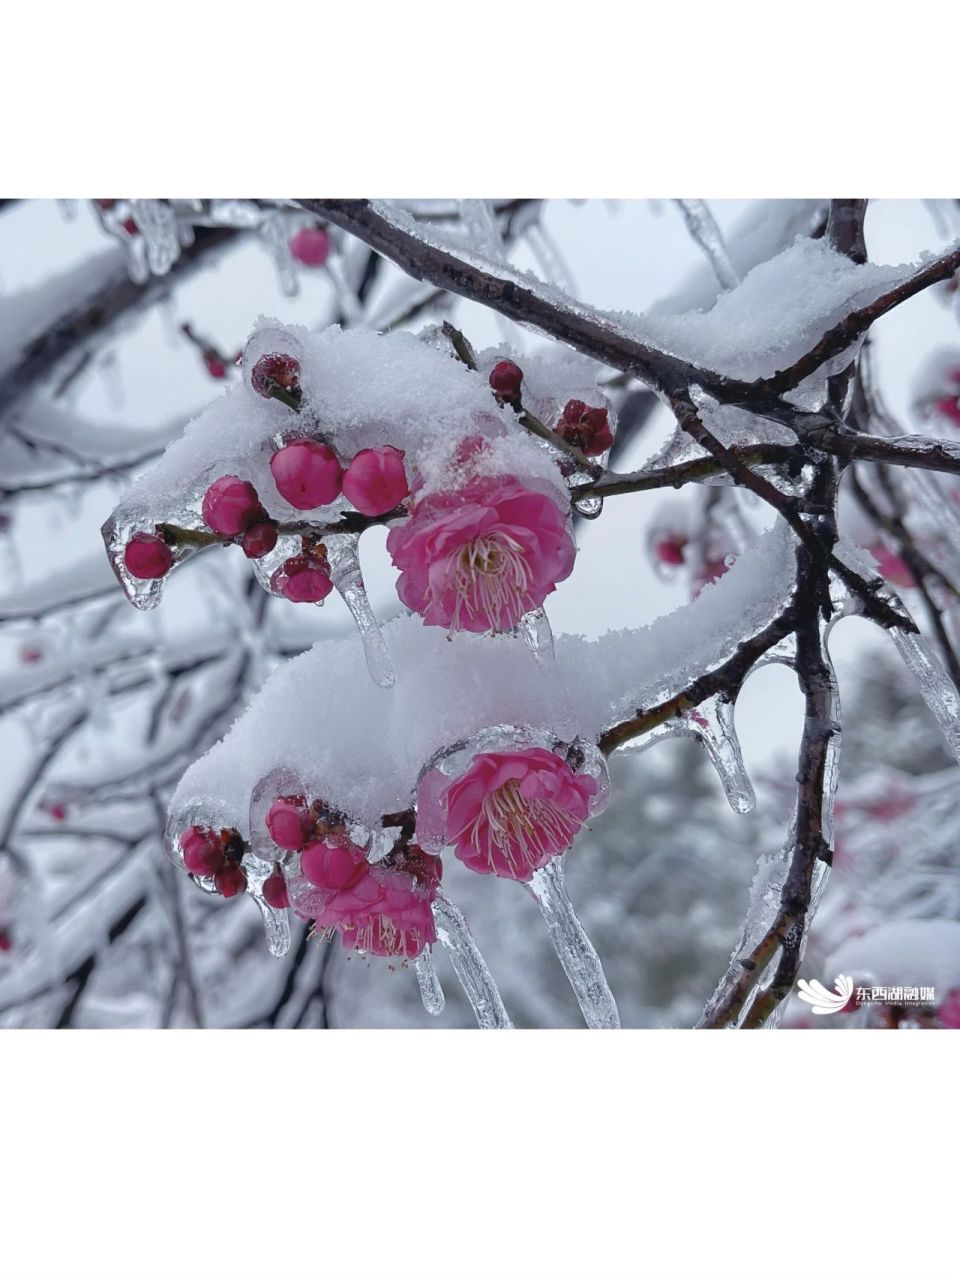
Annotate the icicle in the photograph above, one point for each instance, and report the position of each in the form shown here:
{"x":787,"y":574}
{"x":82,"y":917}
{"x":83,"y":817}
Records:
{"x":478,"y":218}
{"x":350,"y":304}
{"x":549,"y":259}
{"x":938,"y":690}
{"x":713,"y":725}
{"x":276,"y":922}
{"x":157,"y":224}
{"x":274,"y":232}
{"x":342,"y":550}
{"x":431,"y":991}
{"x":574,"y":949}
{"x":538,"y":637}
{"x":704,"y":230}
{"x":469,"y":966}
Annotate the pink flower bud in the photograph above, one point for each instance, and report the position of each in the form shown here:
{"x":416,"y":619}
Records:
{"x":58,"y":811}
{"x":230,"y":880}
{"x":669,"y":550}
{"x":891,"y":566}
{"x":585,"y":428}
{"x":311,"y":246}
{"x":215,"y":366}
{"x":288,"y":822}
{"x":202,"y":850}
{"x":277,"y":369}
{"x":506,"y":379}
{"x":302,"y":580}
{"x":331,"y":866}
{"x":259,"y":540}
{"x":275,"y":891}
{"x":307,"y":474}
{"x":948,"y":407}
{"x":147,"y":556}
{"x":230,"y":506}
{"x":375,"y":480}
{"x":6,"y":942}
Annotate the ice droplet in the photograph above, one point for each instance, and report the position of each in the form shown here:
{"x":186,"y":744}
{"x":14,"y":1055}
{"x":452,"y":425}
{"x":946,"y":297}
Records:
{"x":713,"y":725}
{"x":469,"y":966}
{"x":590,"y":506}
{"x":431,"y":991}
{"x":937,"y":689}
{"x":343,"y":554}
{"x":574,"y":949}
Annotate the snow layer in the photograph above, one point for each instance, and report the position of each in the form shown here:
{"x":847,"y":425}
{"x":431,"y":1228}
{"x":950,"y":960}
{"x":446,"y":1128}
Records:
{"x":361,"y":389}
{"x":362,"y":747}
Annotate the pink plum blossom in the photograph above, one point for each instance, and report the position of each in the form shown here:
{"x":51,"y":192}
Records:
{"x":375,"y":481}
{"x":512,"y":811}
{"x":307,"y":474}
{"x":891,"y":566}
{"x":480,"y":557}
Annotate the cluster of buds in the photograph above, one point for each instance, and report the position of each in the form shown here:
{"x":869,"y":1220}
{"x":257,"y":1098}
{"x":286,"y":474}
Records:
{"x":218,"y":854}
{"x":383,"y":908}
{"x":307,"y":474}
{"x":585,"y":427}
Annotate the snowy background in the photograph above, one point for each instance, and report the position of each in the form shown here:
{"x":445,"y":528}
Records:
{"x":102,"y":709}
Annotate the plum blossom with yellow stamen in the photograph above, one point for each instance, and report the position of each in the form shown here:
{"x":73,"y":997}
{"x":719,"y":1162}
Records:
{"x":482,"y":556}
{"x":510,"y":812}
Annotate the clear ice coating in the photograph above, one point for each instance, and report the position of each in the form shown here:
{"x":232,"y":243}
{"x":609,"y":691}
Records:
{"x":937,"y":689}
{"x":276,"y":920}
{"x":711,"y":724}
{"x":574,"y":949}
{"x":431,"y":991}
{"x":276,"y":783}
{"x":142,"y":593}
{"x":469,"y":966}
{"x":537,"y":635}
{"x":480,"y":223}
{"x":275,"y":231}
{"x":157,"y":223}
{"x":704,"y":230}
{"x":344,"y":557}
